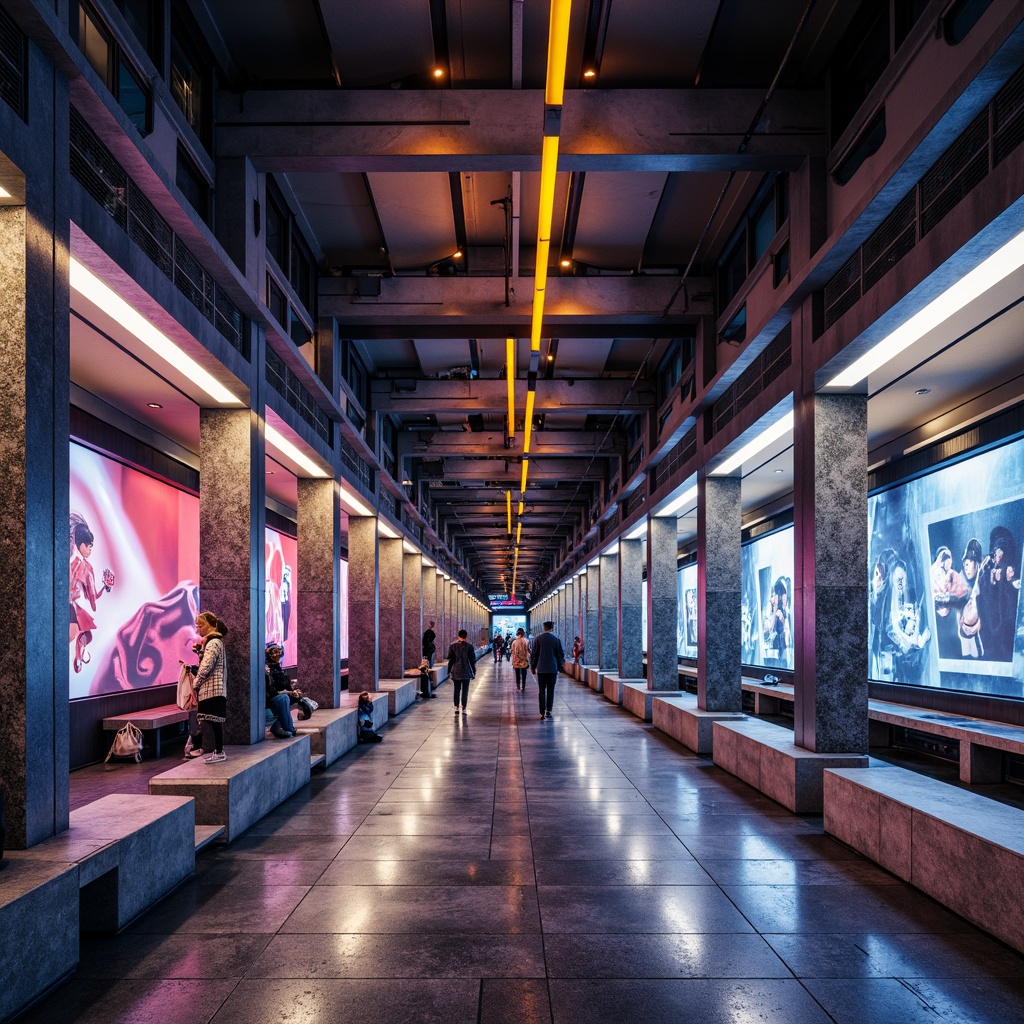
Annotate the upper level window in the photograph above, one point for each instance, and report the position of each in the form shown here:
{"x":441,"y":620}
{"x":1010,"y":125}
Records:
{"x":144,"y":18}
{"x":752,"y":238}
{"x":103,"y":52}
{"x":288,"y":249}
{"x":191,"y":77}
{"x":193,"y":184}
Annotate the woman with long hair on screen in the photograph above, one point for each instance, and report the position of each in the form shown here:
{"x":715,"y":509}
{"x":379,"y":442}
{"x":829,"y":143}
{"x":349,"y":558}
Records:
{"x":83,"y":593}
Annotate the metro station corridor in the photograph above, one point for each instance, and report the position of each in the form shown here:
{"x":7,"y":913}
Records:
{"x":494,"y":867}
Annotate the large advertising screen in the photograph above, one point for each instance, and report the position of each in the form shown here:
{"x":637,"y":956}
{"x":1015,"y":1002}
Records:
{"x":133,"y":576}
{"x":767,"y":602}
{"x":281,"y":556}
{"x":686,"y":582}
{"x":944,"y":577}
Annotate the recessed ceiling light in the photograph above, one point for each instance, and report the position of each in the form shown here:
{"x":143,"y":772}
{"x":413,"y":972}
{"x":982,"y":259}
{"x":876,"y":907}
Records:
{"x":779,"y":471}
{"x":154,"y":405}
{"x":457,"y":255}
{"x":439,"y":72}
{"x":566,"y":263}
{"x":590,"y":73}
{"x":270,"y":472}
{"x":923,"y":391}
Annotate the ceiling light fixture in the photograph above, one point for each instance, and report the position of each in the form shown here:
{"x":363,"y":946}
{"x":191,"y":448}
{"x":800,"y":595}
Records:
{"x":1003,"y":262}
{"x":88,"y":285}
{"x":348,"y":498}
{"x":439,"y":72}
{"x":510,"y":377}
{"x":457,"y":255}
{"x":566,"y":264}
{"x":590,"y":73}
{"x":4,"y":194}
{"x":675,"y":507}
{"x":508,"y":509}
{"x":154,"y":405}
{"x":771,"y":433}
{"x":278,"y":441}
{"x":640,"y":531}
{"x":923,"y":391}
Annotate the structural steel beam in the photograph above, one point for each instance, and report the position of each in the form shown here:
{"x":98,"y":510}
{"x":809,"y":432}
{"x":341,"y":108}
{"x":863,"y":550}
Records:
{"x":484,"y":130}
{"x":428,"y":397}
{"x":510,"y":469}
{"x":588,"y":307}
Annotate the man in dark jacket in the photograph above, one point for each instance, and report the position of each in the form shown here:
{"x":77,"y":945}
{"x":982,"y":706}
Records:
{"x":546,"y":659}
{"x":429,"y":643}
{"x":461,"y":668}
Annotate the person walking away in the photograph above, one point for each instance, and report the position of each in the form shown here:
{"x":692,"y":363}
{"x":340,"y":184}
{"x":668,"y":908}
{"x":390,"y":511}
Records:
{"x":211,"y":685}
{"x":520,"y":658}
{"x":546,"y":658}
{"x":496,"y":646}
{"x":429,"y":643}
{"x":461,"y":668}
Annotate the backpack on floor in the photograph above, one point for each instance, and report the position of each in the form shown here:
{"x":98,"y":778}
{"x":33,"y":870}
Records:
{"x":127,"y":743}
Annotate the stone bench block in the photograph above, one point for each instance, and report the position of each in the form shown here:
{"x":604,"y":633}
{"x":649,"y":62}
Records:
{"x":638,"y":700}
{"x":612,"y":685}
{"x":680,"y":718}
{"x":594,"y":677}
{"x":332,"y":732}
{"x":38,"y":927}
{"x":765,"y":756}
{"x":438,"y":674}
{"x":401,"y":693}
{"x":962,"y":849}
{"x":237,"y":792}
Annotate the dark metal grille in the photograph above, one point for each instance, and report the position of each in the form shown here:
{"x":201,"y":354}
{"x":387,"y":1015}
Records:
{"x":387,"y":501}
{"x":998,"y":130}
{"x":95,"y":168}
{"x":1008,"y":118}
{"x":360,"y":469}
{"x":633,"y":502}
{"x":290,"y":388}
{"x":684,"y":450}
{"x":889,"y":243}
{"x":769,"y":365}
{"x":955,"y":174}
{"x":13,"y":65}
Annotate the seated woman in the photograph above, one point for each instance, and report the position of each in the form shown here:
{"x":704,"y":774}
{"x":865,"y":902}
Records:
{"x":279,"y":691}
{"x":365,"y":712}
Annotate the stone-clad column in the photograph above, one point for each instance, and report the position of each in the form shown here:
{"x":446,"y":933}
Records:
{"x":608,"y":640}
{"x":412,"y":599}
{"x":830,"y":548}
{"x":719,"y":525}
{"x":363,"y":603}
{"x":631,"y":662}
{"x":316,"y":597}
{"x":591,"y":616}
{"x":232,"y":569}
{"x":34,"y":539}
{"x":390,"y":658}
{"x":453,"y":611}
{"x":662,"y":605}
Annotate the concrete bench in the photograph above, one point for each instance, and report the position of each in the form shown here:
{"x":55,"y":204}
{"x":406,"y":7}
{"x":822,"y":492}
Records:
{"x":593,"y":676}
{"x":982,"y":743}
{"x":38,"y":927}
{"x":438,"y":674}
{"x":768,"y":698}
{"x":130,"y":850}
{"x":677,"y":715}
{"x":331,"y":731}
{"x":639,"y":700}
{"x":401,"y":693}
{"x":148,"y":720}
{"x":612,"y":684}
{"x":237,"y":792}
{"x":960,"y":848}
{"x":765,"y":756}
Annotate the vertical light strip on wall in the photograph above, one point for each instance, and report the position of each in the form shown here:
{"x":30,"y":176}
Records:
{"x":508,"y":504}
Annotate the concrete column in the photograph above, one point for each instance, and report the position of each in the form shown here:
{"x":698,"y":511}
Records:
{"x":412,"y":599}
{"x":662,"y":605}
{"x":319,"y":550}
{"x":34,"y":540}
{"x":608,"y":641}
{"x":232,"y":573}
{"x":390,"y":656}
{"x":453,"y":613}
{"x":830,"y":552}
{"x":719,"y":523}
{"x":363,"y":603}
{"x":631,"y":662}
{"x":591,"y":616}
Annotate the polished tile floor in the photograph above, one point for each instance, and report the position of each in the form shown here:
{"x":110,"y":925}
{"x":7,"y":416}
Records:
{"x":498,"y":868}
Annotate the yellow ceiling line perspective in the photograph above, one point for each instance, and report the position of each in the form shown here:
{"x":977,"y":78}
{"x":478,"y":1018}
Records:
{"x":510,"y":376}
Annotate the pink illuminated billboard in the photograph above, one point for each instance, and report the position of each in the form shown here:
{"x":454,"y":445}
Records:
{"x":133,"y":574}
{"x":281,"y":555}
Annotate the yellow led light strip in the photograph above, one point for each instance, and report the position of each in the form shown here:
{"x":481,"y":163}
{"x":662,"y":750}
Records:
{"x":558,"y":45}
{"x":510,"y":375}
{"x":508,"y":504}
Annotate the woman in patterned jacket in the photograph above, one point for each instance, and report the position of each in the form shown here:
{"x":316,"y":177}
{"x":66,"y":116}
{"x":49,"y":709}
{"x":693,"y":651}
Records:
{"x":211,"y":685}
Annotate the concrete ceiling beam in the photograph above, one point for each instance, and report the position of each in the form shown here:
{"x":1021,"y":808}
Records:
{"x":580,"y":443}
{"x":472,"y":397}
{"x":482,"y":130}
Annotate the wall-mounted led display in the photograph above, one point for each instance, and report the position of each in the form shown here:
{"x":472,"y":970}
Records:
{"x":281,"y":556}
{"x":767,"y":602}
{"x":944,"y":577}
{"x":133,"y":576}
{"x":686,"y":582}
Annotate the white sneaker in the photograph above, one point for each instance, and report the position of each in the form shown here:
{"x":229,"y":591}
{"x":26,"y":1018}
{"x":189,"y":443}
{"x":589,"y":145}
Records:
{"x":215,"y":757}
